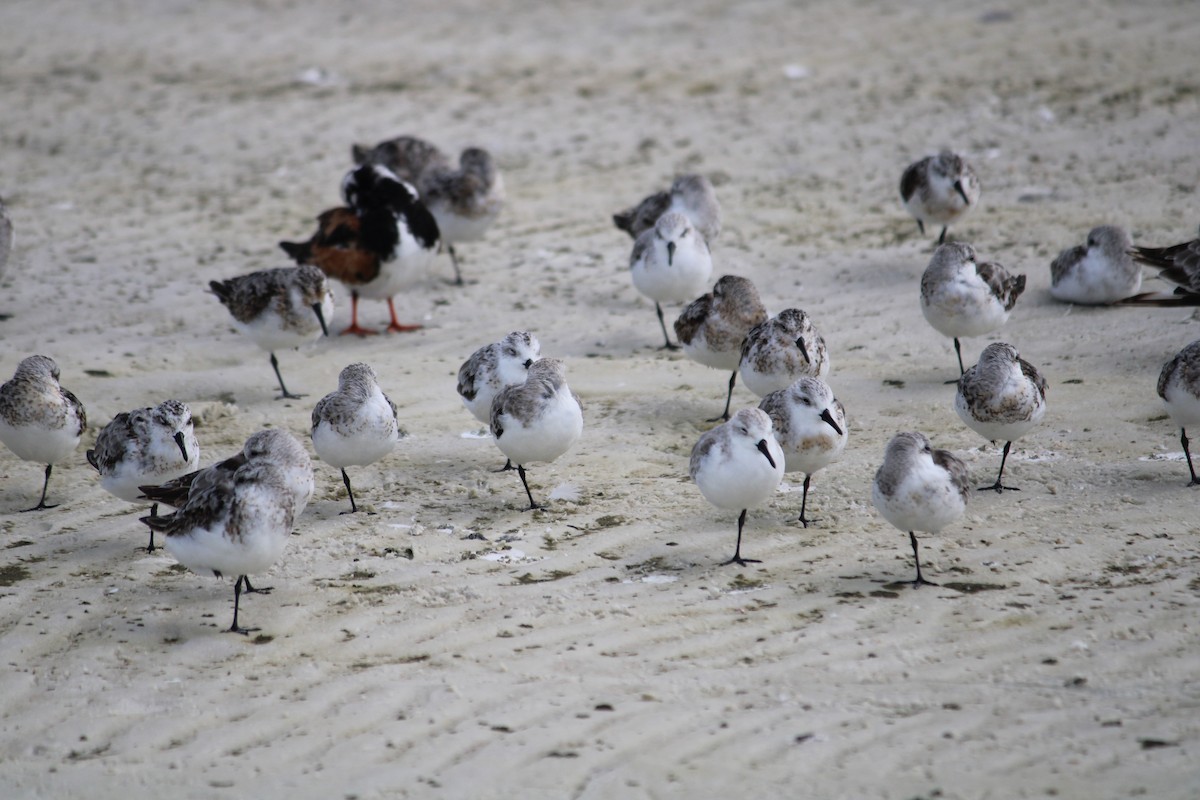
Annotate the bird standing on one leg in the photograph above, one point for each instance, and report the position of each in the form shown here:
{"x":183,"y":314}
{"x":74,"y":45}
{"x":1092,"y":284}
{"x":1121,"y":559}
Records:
{"x":537,"y":420}
{"x":1179,"y":387}
{"x":713,"y":328}
{"x":919,"y":488}
{"x":1002,"y":398}
{"x":284,"y":307}
{"x":810,"y":425}
{"x":738,"y":465}
{"x":40,"y":421}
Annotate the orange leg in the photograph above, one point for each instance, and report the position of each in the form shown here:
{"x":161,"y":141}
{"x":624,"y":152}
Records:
{"x":354,"y":326}
{"x":396,"y":327}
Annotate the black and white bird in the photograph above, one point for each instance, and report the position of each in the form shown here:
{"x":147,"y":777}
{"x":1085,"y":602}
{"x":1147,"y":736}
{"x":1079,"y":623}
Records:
{"x":538,"y":420}
{"x":236,"y":524}
{"x":920,"y":488}
{"x":939,"y":189}
{"x":781,"y":349}
{"x":145,"y":446}
{"x":962,"y":297}
{"x":810,"y":425}
{"x":278,"y":308}
{"x":738,"y":466}
{"x":1099,"y":272}
{"x":1001,"y":398}
{"x":381,"y":243}
{"x":713,"y":328}
{"x":40,"y":421}
{"x":670,"y":263}
{"x":465,"y":199}
{"x":355,"y":425}
{"x":493,"y":367}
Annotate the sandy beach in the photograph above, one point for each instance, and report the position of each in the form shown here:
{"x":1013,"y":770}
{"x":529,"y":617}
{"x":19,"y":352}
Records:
{"x":450,"y":645}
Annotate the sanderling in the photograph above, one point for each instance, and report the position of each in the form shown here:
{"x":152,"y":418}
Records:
{"x":276,"y":447}
{"x":465,"y":200}
{"x":670,"y":263}
{"x":1179,"y":387}
{"x":713,"y":327}
{"x":690,"y":195}
{"x":960,"y":297}
{"x":918,"y":488}
{"x":146,"y":445}
{"x":40,"y":421}
{"x":537,"y":420}
{"x":235,"y":524}
{"x":356,"y":425}
{"x":406,"y":156}
{"x":780,"y":350}
{"x":379,"y":245}
{"x":1001,"y":398}
{"x":1179,"y":264}
{"x":1097,"y":273}
{"x":939,"y":189}
{"x":493,"y":367}
{"x":6,"y":237}
{"x":738,"y":465}
{"x":282,"y":307}
{"x":810,"y":425}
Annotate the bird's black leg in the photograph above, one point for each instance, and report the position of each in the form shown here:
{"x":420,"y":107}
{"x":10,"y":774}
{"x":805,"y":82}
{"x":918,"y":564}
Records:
{"x":153,"y":513}
{"x":42,"y":502}
{"x":349,"y":491}
{"x":804,"y":501}
{"x":997,"y":486}
{"x":1188,"y":455}
{"x":737,"y":552}
{"x":237,"y":596}
{"x":286,"y":394}
{"x":251,"y":590}
{"x":532,"y":505}
{"x":508,"y":467}
{"x":942,"y":238}
{"x":728,"y":399}
{"x":920,"y":581}
{"x":666,"y":336}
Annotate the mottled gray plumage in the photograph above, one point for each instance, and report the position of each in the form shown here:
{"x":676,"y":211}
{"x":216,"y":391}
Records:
{"x":939,"y":189}
{"x":919,"y":488}
{"x":1002,"y":397}
{"x":274,"y":446}
{"x":40,"y":421}
{"x":691,"y":195}
{"x":1179,"y":264}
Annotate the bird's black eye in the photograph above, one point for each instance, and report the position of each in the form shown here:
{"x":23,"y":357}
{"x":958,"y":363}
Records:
{"x":806,"y":401}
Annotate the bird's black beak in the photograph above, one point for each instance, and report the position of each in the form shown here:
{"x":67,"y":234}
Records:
{"x":320,"y":318}
{"x":178,"y":437}
{"x":762,"y":448}
{"x":803,"y":349}
{"x":825,"y":415}
{"x":958,"y":187}
{"x":670,"y":253}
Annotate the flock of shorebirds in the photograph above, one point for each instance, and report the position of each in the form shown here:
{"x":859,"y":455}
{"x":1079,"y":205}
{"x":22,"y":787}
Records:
{"x":405,"y":201}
